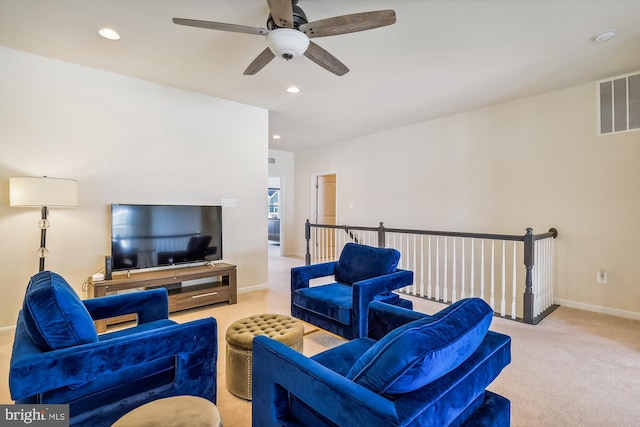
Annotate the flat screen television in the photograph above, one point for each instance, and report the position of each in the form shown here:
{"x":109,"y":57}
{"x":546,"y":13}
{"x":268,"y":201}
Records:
{"x":145,"y":236}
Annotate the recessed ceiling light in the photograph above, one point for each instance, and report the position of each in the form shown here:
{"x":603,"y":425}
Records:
{"x":108,"y":33}
{"x":293,"y":89}
{"x":276,"y":136}
{"x":605,"y":35}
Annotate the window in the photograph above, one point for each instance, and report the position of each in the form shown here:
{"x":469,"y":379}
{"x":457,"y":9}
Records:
{"x":274,"y":202}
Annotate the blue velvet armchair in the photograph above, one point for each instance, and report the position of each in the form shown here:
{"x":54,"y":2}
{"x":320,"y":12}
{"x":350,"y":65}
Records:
{"x":59,"y":358}
{"x":412,"y":370}
{"x":362,"y":274}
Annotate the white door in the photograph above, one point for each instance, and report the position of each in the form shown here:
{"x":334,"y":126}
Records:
{"x":325,"y":213}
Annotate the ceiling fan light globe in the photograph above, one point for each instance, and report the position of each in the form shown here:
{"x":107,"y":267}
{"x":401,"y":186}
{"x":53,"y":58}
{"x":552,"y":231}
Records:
{"x":287,"y":43}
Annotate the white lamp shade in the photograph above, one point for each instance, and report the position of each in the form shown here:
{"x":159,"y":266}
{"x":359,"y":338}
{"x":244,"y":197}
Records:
{"x":287,"y":43}
{"x":43,"y":191}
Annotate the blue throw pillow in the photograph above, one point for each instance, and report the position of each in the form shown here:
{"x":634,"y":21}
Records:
{"x":54,"y":315}
{"x":422,"y":351}
{"x":361,"y":262}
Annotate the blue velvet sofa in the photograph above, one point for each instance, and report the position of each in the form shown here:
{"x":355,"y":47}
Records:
{"x":58,"y":357}
{"x":362,"y":274}
{"x":412,"y":370}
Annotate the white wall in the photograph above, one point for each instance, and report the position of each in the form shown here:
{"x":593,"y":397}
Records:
{"x":536,"y":162}
{"x":125,"y":141}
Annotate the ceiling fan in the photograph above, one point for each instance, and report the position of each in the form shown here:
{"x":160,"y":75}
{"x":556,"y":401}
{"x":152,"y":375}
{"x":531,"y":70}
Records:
{"x":288,"y":33}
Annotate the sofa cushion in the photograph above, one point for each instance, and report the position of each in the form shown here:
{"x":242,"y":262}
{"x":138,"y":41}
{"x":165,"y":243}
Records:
{"x":54,"y":315}
{"x":422,"y":351}
{"x":360,"y":262}
{"x":333,"y":300}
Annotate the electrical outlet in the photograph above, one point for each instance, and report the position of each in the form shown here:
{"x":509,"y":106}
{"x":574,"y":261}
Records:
{"x":601,"y":277}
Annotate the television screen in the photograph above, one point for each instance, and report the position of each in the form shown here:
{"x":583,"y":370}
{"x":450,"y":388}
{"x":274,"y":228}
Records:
{"x":144,"y":236}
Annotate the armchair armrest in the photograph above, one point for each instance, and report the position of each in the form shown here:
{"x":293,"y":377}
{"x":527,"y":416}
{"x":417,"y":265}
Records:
{"x":300,"y":276}
{"x":383,"y":318}
{"x":81,"y":365}
{"x":365,"y":290}
{"x":369,"y":288}
{"x":278,"y":369}
{"x":149,"y":305}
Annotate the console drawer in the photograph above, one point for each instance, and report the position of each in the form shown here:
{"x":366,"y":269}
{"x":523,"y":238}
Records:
{"x":201,"y":296}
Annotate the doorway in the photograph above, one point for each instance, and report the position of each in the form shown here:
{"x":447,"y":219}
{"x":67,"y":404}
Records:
{"x":324,"y":210}
{"x":274,"y":217}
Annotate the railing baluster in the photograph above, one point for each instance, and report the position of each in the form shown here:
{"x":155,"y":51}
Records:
{"x":404,"y":240}
{"x":503,"y":302}
{"x":438,"y":268}
{"x":482,"y":269}
{"x":327,"y":243}
{"x":545,"y":272}
{"x":536,"y":283}
{"x":445,"y":297}
{"x":549,"y":243}
{"x":429,"y":287}
{"x":422,"y":265}
{"x":324,"y":244}
{"x":472,"y":270}
{"x":463,"y":294}
{"x":547,"y":289}
{"x":453,"y":275}
{"x":493,"y":274}
{"x":415,"y":266}
{"x":513,"y":283}
{"x":541,"y":283}
{"x":394,"y":240}
{"x":552,"y":246}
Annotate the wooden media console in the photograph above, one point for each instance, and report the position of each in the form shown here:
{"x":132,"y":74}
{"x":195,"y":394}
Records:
{"x":221,"y":288}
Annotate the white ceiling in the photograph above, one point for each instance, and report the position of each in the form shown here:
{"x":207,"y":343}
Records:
{"x":441,"y":57}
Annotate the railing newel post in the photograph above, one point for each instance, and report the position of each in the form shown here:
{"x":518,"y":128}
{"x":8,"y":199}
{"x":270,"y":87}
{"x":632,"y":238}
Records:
{"x":307,"y":236}
{"x":529,"y":261}
{"x":381,"y":235}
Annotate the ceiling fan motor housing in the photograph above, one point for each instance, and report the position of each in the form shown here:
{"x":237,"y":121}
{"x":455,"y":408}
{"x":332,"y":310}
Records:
{"x":299,"y":18}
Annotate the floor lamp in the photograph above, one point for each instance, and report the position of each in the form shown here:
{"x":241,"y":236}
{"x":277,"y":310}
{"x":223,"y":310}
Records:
{"x":43,"y":193}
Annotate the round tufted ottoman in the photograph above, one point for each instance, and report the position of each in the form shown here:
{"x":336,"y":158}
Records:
{"x":240,"y":346}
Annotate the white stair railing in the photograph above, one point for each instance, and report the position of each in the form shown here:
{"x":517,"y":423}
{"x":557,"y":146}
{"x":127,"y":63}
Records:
{"x":449,"y":266}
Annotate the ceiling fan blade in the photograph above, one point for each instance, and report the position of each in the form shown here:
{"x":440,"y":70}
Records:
{"x":281,"y":12}
{"x":325,"y":60}
{"x":258,"y":64}
{"x":349,"y":23}
{"x":221,"y":26}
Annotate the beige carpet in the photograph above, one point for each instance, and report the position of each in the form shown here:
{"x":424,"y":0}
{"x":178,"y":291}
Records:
{"x":575,"y":368}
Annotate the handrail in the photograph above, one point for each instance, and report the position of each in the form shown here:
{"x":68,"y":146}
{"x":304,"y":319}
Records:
{"x":511,"y":237}
{"x":531,"y":303}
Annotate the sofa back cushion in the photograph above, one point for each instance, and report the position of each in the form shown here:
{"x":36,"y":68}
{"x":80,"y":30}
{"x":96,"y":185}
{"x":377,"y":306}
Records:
{"x":424,"y":350}
{"x":54,"y":315}
{"x":360,"y":262}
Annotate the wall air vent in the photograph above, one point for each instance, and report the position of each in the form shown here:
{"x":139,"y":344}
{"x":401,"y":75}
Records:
{"x":619,"y":104}
{"x":271,"y":160}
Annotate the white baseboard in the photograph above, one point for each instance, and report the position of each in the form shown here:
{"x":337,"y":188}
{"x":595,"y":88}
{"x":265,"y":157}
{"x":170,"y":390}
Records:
{"x":245,"y":289}
{"x":598,"y":309}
